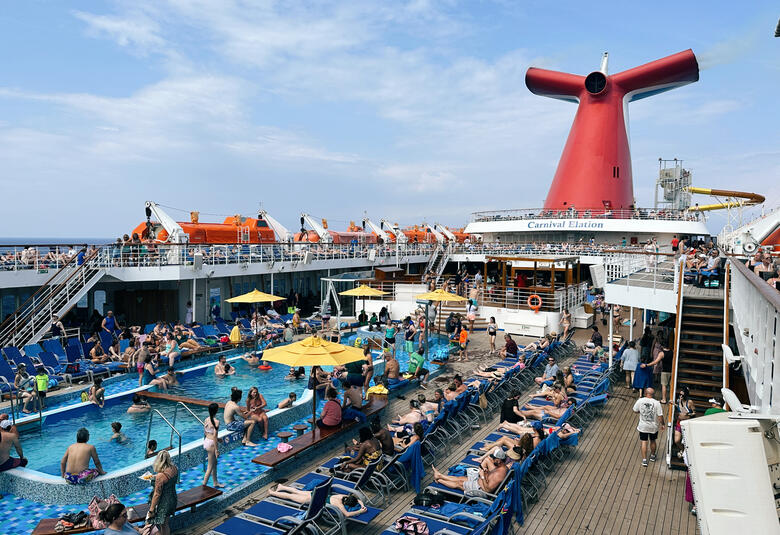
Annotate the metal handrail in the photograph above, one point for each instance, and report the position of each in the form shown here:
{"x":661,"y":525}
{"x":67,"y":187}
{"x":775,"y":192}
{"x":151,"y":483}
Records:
{"x":673,"y":386}
{"x":176,"y":412}
{"x":173,"y":430}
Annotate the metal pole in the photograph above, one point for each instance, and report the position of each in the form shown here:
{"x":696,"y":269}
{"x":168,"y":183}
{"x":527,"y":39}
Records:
{"x":611,"y":323}
{"x":194,"y":284}
{"x":631,"y":325}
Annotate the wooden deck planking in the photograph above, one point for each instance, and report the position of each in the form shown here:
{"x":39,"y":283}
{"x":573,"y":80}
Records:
{"x":604,"y":488}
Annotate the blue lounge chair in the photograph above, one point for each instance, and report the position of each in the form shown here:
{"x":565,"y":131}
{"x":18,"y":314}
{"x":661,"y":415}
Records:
{"x":242,"y":526}
{"x":74,"y":357}
{"x":54,"y":346}
{"x":279,"y":516}
{"x":32,"y":350}
{"x":7,"y":377}
{"x":59,"y":368}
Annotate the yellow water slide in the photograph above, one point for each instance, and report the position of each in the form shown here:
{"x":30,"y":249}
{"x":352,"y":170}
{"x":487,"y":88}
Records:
{"x":734,"y":199}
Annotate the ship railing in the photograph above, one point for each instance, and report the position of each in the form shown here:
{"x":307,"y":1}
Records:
{"x":540,"y":249}
{"x":573,"y":213}
{"x":495,"y":295}
{"x":641,"y":269}
{"x":158,"y":255}
{"x":756,"y":321}
{"x":33,"y":318}
{"x":38,"y":257}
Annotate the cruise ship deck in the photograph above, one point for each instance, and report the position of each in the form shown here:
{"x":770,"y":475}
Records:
{"x":599,"y":488}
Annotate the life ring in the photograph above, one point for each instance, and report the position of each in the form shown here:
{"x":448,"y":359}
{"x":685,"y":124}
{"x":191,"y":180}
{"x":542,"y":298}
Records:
{"x":535,"y":307}
{"x":264,"y":367}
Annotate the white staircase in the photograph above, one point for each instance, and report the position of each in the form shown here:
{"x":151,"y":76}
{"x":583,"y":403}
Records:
{"x":438,"y":260}
{"x":57,"y":296}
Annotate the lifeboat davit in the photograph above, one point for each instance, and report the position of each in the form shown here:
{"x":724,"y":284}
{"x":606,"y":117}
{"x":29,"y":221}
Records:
{"x":235,"y":229}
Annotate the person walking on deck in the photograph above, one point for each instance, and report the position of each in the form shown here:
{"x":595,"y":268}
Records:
{"x":651,"y":420}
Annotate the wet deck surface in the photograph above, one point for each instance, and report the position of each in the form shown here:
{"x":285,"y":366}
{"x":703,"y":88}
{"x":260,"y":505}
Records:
{"x":601,"y":488}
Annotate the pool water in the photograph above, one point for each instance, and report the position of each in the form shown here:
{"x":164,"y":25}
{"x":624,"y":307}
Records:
{"x":204,"y":384}
{"x":44,"y":447}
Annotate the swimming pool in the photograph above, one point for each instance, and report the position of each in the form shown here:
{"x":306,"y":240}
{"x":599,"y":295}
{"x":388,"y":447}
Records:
{"x":45,"y":445}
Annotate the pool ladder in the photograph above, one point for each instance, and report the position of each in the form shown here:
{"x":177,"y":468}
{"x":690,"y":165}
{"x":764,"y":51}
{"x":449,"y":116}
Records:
{"x":173,"y":431}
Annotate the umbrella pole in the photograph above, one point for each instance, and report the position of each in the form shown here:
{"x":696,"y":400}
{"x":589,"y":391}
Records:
{"x":313,"y":413}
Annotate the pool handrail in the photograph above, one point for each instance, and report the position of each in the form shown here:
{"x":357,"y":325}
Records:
{"x":173,"y":430}
{"x":176,"y":412}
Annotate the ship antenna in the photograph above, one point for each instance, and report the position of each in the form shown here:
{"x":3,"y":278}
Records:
{"x":604,"y":63}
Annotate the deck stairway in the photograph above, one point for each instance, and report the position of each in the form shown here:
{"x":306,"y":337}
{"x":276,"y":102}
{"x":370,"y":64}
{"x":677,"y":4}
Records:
{"x":480,"y":324}
{"x":700,"y":357}
{"x":58,"y":295}
{"x":438,"y":260}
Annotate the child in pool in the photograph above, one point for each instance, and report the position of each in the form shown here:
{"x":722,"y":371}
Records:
{"x":118,"y":435}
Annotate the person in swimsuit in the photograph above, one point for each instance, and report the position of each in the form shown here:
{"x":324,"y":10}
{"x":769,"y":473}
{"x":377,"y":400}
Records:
{"x":255,"y":407}
{"x":10,"y":440}
{"x":366,"y":450}
{"x":287,"y":402}
{"x":210,"y":431}
{"x":403,"y":440}
{"x":392,"y":368}
{"x":118,"y":435}
{"x":222,"y":368}
{"x":24,"y":385}
{"x":390,"y":332}
{"x":348,"y":504}
{"x":237,"y":419}
{"x":150,"y":375}
{"x":139,"y":405}
{"x":478,"y":482}
{"x":566,"y":321}
{"x":97,"y":393}
{"x":74,"y":466}
{"x":492,"y":329}
{"x":368,"y":369}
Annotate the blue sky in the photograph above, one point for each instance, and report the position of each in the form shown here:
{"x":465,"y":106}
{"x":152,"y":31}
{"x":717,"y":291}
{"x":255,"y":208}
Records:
{"x":405,"y":110}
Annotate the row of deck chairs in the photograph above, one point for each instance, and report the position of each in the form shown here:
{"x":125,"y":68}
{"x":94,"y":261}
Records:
{"x":526,"y":480}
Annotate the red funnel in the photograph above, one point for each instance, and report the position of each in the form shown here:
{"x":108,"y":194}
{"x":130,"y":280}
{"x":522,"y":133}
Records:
{"x":594,"y":171}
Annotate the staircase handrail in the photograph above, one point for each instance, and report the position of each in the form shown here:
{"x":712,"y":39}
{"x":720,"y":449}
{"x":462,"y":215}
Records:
{"x":673,"y":386}
{"x":30,"y":308}
{"x":726,"y":306}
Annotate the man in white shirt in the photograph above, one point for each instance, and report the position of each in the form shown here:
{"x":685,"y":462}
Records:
{"x":651,"y":419}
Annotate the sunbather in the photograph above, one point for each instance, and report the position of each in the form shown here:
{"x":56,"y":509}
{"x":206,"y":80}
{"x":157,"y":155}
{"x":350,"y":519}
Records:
{"x":348,"y":504}
{"x":403,"y":439}
{"x":478,"y":482}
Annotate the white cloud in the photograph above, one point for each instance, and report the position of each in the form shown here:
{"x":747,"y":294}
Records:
{"x":138,"y":31}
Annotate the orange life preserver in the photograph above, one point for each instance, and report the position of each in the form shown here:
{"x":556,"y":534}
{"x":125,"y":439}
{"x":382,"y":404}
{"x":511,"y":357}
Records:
{"x":264,"y":367}
{"x":538,"y":304}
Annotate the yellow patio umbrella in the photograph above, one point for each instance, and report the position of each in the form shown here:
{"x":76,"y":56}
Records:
{"x":313,"y":351}
{"x":440,"y":295}
{"x":255,"y":296}
{"x":363,"y":291}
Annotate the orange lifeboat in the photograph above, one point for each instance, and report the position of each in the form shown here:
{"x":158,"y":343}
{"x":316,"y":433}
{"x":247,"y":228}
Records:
{"x":235,"y":229}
